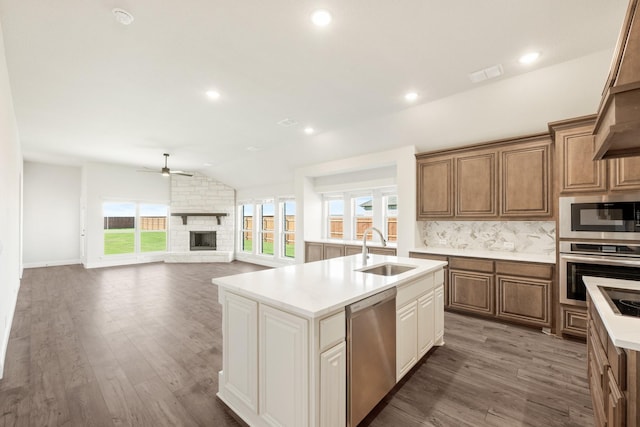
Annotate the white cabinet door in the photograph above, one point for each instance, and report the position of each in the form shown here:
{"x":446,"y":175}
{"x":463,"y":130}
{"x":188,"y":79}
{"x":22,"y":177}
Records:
{"x":284,"y":368}
{"x":333,"y":386}
{"x":426,"y":323}
{"x":439,"y":309}
{"x":240,"y":350}
{"x":406,"y":338}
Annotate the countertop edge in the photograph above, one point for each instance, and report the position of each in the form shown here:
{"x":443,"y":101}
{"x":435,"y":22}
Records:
{"x":612,"y":322}
{"x":224,"y":283}
{"x":496,"y":255}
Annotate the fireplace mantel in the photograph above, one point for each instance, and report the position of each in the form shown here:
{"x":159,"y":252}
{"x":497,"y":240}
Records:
{"x":184,"y":216}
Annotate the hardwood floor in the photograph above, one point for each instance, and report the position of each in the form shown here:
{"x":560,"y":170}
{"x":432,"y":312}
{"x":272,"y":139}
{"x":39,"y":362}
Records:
{"x":141,"y":346}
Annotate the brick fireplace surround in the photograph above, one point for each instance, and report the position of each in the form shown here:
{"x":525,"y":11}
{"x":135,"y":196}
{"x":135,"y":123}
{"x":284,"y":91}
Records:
{"x":201,"y":194}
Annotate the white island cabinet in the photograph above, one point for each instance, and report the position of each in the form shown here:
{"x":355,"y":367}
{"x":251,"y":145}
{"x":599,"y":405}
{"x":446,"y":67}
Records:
{"x":284,"y":334}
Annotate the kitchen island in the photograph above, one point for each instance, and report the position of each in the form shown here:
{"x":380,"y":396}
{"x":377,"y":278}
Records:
{"x":284,"y":334}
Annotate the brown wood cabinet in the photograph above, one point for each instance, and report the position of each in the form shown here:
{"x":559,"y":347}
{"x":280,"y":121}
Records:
{"x":318,"y":251}
{"x":573,"y":320}
{"x":577,"y":171}
{"x":313,"y":251}
{"x":614,"y":377}
{"x":501,"y":179}
{"x":524,"y":292}
{"x":435,"y":187}
{"x":476,"y":184}
{"x":514,"y":291}
{"x":525,"y":180}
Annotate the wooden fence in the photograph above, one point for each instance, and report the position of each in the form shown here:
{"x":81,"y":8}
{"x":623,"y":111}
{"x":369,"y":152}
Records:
{"x":336,"y":228}
{"x":147,"y":223}
{"x":268,"y":225}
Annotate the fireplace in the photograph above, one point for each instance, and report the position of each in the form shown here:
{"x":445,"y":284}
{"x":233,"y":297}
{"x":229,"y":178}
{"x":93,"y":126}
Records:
{"x":202,"y":240}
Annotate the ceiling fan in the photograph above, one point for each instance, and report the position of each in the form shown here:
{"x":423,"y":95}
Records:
{"x":165,"y":171}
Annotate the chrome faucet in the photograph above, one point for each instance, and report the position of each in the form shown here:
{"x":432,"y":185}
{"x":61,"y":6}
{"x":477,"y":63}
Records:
{"x":364,"y":242}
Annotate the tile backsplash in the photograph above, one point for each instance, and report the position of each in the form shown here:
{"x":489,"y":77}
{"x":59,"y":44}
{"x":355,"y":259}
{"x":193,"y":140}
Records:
{"x":512,"y":236}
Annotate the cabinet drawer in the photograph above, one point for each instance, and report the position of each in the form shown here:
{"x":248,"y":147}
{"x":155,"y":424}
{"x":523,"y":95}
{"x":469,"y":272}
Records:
{"x":473,"y":264}
{"x":524,"y":269}
{"x":412,"y":290}
{"x":332,"y":330}
{"x":574,"y":321}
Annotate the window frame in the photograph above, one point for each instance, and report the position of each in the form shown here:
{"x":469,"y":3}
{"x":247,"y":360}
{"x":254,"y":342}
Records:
{"x":283,"y":228}
{"x":137,"y":227}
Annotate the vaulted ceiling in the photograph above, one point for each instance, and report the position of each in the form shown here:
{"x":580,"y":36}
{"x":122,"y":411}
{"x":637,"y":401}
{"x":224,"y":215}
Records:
{"x":86,"y":88}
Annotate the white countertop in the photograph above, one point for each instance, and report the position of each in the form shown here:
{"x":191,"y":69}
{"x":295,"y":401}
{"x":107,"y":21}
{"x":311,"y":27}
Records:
{"x":318,"y":288}
{"x":623,"y":330}
{"x":475,"y":253}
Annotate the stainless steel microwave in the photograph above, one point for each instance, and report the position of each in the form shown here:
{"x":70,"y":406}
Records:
{"x":600,"y":217}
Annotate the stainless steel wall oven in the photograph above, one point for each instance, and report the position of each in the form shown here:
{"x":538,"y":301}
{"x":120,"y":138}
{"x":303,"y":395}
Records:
{"x":579,"y":259}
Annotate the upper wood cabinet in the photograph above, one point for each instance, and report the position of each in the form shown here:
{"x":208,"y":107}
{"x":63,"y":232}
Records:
{"x":501,"y":179}
{"x":525,"y":179}
{"x":435,"y":187}
{"x":476,"y":184}
{"x":578,"y":172}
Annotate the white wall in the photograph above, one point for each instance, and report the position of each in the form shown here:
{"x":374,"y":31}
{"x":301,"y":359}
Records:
{"x":309,"y":221}
{"x":10,"y":208}
{"x":51,"y":215}
{"x":103,"y":182}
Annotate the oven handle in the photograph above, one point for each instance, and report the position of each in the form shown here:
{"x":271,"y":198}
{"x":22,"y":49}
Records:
{"x":600,"y":260}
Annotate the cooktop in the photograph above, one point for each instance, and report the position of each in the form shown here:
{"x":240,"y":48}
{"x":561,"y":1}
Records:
{"x":624,"y":302}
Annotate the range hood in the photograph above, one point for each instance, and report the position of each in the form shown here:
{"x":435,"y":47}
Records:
{"x":617,"y":128}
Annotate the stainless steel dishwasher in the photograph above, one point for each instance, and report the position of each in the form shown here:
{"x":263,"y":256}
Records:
{"x":371,"y":353}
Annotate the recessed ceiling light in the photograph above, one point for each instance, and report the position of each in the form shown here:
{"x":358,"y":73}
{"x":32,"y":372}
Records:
{"x":321,"y":18}
{"x":309,"y":130}
{"x":528,"y":58}
{"x":213,"y":94}
{"x":411,"y":96}
{"x":122,"y":16}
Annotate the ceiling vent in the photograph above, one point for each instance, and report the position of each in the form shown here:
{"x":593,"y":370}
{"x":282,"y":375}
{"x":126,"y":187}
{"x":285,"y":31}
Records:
{"x":122,"y":16}
{"x":287,"y":122}
{"x":486,"y":73}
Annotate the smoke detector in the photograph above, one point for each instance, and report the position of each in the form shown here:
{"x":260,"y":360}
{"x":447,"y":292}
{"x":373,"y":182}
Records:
{"x":122,"y":16}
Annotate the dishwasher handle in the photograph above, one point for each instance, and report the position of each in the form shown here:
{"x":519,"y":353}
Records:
{"x":371,"y":301}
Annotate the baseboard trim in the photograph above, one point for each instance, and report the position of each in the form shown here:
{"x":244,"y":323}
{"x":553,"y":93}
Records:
{"x":51,"y":263}
{"x":125,"y":261}
{"x":7,"y":333}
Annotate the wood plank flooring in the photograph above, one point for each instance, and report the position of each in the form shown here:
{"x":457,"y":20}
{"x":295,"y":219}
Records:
{"x":141,"y":346}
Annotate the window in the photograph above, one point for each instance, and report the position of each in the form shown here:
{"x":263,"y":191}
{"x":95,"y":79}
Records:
{"x":246,"y":213}
{"x":130,"y":227}
{"x":119,"y":228}
{"x":153,"y":228}
{"x":289,"y":229}
{"x":362,"y":208}
{"x":390,"y":203}
{"x":335,"y":218}
{"x":267,"y":227}
{"x":347,"y":215}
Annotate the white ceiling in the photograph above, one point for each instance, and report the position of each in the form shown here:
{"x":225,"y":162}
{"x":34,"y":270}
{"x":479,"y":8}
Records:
{"x":86,"y":88}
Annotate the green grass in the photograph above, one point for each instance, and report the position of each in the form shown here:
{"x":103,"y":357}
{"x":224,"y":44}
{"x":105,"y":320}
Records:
{"x":123,"y":241}
{"x":153,"y":241}
{"x":267,"y":248}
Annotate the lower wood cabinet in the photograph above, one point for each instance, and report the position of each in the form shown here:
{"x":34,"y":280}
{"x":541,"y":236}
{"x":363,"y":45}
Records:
{"x":614,"y":377}
{"x":318,"y":251}
{"x":573,"y":320}
{"x":471,"y":291}
{"x":516,"y":291}
{"x":333,"y":388}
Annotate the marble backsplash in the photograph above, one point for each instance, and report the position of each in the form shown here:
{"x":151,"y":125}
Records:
{"x":511,"y":236}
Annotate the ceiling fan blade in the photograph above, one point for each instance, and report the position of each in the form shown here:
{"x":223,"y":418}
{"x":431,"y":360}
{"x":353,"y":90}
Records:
{"x":181,"y":173}
{"x":148,"y":170}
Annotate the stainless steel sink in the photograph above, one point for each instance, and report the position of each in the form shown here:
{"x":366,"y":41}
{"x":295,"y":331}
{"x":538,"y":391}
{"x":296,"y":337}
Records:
{"x":388,"y":269}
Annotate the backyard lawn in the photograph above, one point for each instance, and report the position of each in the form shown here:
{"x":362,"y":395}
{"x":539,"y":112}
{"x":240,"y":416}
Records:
{"x":122,"y":241}
{"x":267,"y":248}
